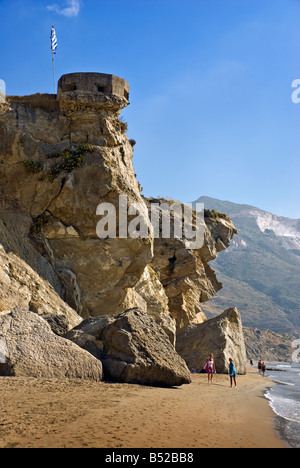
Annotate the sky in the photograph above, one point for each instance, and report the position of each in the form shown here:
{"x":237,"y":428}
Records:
{"x":210,"y":81}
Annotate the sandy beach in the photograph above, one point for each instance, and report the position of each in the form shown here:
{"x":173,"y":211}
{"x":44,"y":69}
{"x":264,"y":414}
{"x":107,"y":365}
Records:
{"x":37,"y":413}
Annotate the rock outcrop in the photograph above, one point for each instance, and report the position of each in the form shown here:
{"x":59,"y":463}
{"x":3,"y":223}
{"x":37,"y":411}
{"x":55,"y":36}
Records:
{"x":222,"y":336}
{"x":150,"y":296}
{"x":133,"y":348}
{"x":187,"y":278}
{"x":29,"y":348}
{"x":60,"y":158}
{"x":21,"y":286}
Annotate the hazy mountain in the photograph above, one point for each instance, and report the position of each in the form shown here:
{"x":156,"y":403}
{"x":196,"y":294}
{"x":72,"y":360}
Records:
{"x":260,"y":272}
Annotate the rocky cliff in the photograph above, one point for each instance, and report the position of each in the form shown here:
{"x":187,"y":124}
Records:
{"x":60,"y":157}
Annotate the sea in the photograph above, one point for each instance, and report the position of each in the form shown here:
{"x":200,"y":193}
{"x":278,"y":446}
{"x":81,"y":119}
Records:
{"x":284,"y":399}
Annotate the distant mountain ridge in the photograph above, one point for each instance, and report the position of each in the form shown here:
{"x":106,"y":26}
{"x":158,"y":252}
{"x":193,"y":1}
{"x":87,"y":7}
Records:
{"x":260,"y":272}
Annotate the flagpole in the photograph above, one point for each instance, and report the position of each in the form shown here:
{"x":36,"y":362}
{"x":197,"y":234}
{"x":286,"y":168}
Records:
{"x":54,"y":82}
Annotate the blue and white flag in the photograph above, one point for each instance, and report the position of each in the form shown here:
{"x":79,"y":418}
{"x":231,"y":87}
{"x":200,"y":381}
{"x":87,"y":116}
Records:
{"x":53,"y":40}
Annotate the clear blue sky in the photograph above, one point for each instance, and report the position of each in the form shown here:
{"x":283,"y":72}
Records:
{"x":211,"y":106}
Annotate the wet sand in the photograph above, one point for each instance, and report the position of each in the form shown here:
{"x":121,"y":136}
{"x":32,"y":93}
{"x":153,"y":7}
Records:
{"x":51,"y":413}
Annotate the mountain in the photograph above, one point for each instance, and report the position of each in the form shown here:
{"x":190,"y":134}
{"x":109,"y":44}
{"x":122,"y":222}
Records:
{"x":260,"y":272}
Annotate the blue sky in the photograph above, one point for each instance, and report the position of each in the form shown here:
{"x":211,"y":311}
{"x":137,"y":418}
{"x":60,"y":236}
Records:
{"x":211,"y":106}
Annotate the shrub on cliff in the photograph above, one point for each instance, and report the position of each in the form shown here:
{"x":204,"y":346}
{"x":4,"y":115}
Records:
{"x":71,"y":159}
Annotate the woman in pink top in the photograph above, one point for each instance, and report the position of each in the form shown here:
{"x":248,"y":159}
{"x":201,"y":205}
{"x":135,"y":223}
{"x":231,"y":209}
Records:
{"x":210,"y":367}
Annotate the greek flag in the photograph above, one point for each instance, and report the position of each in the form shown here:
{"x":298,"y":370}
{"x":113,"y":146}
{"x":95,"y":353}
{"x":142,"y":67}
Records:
{"x":53,"y":40}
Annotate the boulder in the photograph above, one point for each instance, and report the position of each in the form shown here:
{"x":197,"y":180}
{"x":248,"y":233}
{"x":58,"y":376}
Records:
{"x":29,"y":348}
{"x":133,"y":349}
{"x":150,"y":296}
{"x":21,"y":286}
{"x":221,"y":336}
{"x":87,"y":334}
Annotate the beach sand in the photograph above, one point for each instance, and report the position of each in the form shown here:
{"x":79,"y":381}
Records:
{"x":52,"y":413}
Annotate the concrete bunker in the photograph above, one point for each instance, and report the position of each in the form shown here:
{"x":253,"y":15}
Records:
{"x":93,"y":83}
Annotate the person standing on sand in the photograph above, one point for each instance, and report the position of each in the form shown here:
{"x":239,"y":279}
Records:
{"x":259,"y":366}
{"x":210,"y":368}
{"x":232,"y":373}
{"x":263,"y":369}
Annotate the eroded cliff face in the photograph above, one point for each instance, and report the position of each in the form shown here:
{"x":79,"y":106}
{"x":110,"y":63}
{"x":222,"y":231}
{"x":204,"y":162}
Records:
{"x":60,"y":157}
{"x":187,"y":278}
{"x":51,"y":187}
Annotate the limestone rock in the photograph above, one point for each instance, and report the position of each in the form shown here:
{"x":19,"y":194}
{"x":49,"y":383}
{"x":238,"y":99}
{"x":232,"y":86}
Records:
{"x":93,"y":274}
{"x":133,"y":349}
{"x":187,"y":278}
{"x":29,"y":348}
{"x":221,"y":336}
{"x":150,"y":296}
{"x":87,"y":334}
{"x":60,"y":157}
{"x":21,"y":286}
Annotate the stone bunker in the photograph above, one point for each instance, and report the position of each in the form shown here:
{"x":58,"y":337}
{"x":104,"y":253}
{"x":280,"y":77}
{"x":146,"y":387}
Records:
{"x":93,"y":83}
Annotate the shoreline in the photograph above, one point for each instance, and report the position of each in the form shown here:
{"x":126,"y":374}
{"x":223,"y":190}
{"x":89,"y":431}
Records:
{"x":51,"y":413}
{"x":285,"y":387}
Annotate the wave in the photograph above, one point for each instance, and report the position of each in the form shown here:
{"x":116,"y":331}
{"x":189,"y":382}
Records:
{"x":286,"y":408}
{"x":283,"y":383}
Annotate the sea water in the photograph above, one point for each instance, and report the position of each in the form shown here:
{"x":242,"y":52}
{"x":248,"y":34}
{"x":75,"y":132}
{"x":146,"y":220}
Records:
{"x":284,"y":398}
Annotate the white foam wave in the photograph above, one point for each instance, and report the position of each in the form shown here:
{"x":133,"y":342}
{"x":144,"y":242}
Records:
{"x":283,"y":383}
{"x":284,"y":407}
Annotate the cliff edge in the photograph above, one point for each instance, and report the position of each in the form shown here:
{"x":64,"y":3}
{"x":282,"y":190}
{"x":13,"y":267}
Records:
{"x":60,"y":157}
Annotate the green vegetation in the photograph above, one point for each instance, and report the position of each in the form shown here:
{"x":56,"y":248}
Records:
{"x":123,"y":124}
{"x":69,"y":159}
{"x":32,"y":166}
{"x":215,"y":215}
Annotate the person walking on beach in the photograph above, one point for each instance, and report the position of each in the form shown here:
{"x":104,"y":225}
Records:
{"x":259,"y":366}
{"x":263,"y":369}
{"x":232,"y":373}
{"x":210,"y":368}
